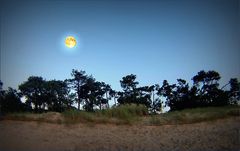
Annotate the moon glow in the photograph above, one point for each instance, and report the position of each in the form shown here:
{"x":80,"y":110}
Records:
{"x":70,"y":42}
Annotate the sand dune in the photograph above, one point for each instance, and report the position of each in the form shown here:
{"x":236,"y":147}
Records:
{"x":217,"y":135}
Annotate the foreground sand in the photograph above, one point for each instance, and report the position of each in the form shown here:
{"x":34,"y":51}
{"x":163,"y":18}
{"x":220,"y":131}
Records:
{"x":217,"y":135}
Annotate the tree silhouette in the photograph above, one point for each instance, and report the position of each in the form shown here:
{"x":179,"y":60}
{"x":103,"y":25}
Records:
{"x":11,"y":102}
{"x":234,"y":92}
{"x":1,"y":85}
{"x":143,"y":96}
{"x":79,"y":78}
{"x":132,"y":93}
{"x":178,"y":96}
{"x":88,"y":92}
{"x":33,"y":90}
{"x":167,"y":91}
{"x":128,"y":83}
{"x":57,"y":95}
{"x":156,"y":103}
{"x":106,"y":88}
{"x":1,"y":96}
{"x":207,"y":84}
{"x":129,"y":86}
{"x":204,"y":92}
{"x":114,"y":94}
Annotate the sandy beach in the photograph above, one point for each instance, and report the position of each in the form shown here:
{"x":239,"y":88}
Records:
{"x":217,"y":135}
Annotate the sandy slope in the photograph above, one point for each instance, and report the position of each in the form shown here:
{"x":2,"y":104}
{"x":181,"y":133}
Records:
{"x":33,"y":136}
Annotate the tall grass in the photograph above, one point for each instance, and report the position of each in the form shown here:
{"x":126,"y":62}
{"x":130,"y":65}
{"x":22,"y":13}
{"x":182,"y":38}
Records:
{"x":124,"y":114}
{"x":189,"y":116}
{"x":125,"y":111}
{"x":129,"y":114}
{"x":75,"y":116}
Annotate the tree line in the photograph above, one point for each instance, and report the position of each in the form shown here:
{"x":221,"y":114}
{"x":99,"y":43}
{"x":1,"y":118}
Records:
{"x":42,"y":95}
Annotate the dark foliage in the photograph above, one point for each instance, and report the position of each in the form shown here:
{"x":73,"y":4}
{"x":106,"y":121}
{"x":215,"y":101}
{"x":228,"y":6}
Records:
{"x":137,"y":95}
{"x":11,"y":102}
{"x":56,"y":95}
{"x":204,"y":92}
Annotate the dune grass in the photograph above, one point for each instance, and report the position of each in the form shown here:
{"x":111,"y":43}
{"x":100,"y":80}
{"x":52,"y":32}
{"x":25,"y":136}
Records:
{"x":24,"y":116}
{"x":49,"y":117}
{"x":194,"y":115}
{"x":125,"y":114}
{"x":129,"y":114}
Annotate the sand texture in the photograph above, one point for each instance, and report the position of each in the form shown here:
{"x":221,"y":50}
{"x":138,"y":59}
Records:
{"x":217,"y":135}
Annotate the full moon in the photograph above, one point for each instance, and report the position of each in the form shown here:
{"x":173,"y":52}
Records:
{"x":70,"y":42}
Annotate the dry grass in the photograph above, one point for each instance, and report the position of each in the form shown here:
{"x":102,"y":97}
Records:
{"x":129,"y":114}
{"x":195,"y":115}
{"x":125,"y":114}
{"x":49,"y":117}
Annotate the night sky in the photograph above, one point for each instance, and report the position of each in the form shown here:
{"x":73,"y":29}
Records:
{"x":156,"y":40}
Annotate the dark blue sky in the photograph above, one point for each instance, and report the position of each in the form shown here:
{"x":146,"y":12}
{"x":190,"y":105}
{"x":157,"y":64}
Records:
{"x":156,"y":40}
